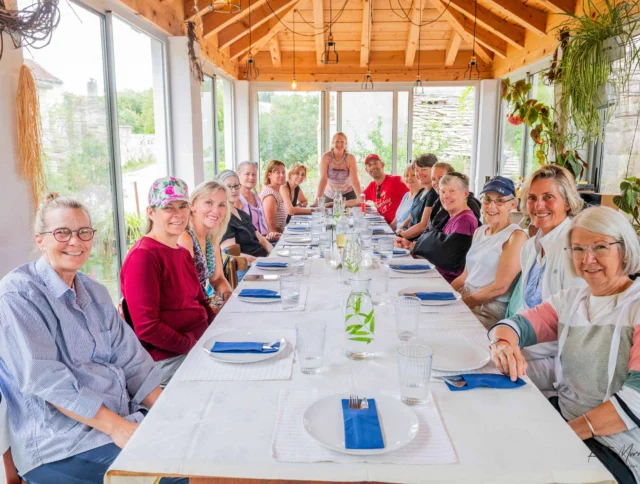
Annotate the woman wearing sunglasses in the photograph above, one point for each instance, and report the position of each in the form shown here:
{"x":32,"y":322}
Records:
{"x":73,"y":372}
{"x":493,"y":261}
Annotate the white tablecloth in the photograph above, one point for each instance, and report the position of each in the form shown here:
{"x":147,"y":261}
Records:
{"x":225,"y":428}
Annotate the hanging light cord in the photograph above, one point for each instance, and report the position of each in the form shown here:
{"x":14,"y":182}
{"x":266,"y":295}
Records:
{"x":250,"y":43}
{"x":475,"y":22}
{"x":369,"y":35}
{"x":419,"y":35}
{"x":294,"y":43}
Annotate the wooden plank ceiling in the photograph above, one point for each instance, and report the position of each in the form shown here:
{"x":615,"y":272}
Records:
{"x":389,"y":39}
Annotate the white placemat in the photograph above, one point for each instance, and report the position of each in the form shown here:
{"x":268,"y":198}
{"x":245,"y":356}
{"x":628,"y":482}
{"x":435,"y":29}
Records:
{"x":201,"y":367}
{"x":291,"y":443}
{"x":234,"y":305}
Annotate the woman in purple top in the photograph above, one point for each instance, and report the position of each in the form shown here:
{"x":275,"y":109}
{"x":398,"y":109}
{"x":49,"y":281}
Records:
{"x":447,"y":244}
{"x":248,"y":175}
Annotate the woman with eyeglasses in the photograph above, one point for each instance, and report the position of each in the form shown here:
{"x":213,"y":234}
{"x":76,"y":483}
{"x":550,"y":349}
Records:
{"x":207,"y":224}
{"x":493,"y":261}
{"x":597,"y":330}
{"x":240,"y":229}
{"x":294,"y":200}
{"x":73,"y":373}
{"x":168,"y":308}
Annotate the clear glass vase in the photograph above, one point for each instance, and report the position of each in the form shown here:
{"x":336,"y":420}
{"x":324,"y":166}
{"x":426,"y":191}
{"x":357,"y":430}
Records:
{"x":352,"y":253}
{"x":359,"y":320}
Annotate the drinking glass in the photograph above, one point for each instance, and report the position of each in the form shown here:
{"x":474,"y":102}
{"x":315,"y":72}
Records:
{"x":316,"y":230}
{"x":361,"y":222}
{"x":407,"y":312}
{"x":379,"y":285}
{"x":310,"y":345}
{"x":414,"y":372}
{"x":290,"y":290}
{"x":298,"y":256}
{"x":385,"y":247}
{"x":366,"y":238}
{"x":325,"y":241}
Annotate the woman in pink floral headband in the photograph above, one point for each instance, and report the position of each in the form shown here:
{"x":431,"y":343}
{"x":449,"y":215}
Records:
{"x":167,"y":305}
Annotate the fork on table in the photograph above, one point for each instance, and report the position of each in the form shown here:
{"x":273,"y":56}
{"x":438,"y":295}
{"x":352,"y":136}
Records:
{"x":357,"y":403}
{"x":455,"y":381}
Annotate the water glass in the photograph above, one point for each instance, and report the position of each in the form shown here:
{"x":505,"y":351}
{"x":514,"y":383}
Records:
{"x":379,"y":285}
{"x":290,"y":290}
{"x":317,"y":215}
{"x":362,"y":223}
{"x":366,"y":238}
{"x":298,"y":256}
{"x":414,"y":372}
{"x":310,"y":345}
{"x":316,"y":229}
{"x":325,"y":241}
{"x":385,"y":247}
{"x":407,"y":312}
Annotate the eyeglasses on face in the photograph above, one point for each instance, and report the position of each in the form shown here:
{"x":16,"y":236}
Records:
{"x":234,"y":187}
{"x":599,"y":251}
{"x":64,"y":234}
{"x":498,"y":201}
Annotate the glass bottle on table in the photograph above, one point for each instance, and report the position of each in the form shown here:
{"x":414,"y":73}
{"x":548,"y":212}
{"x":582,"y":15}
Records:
{"x":359,"y":319}
{"x":342,"y":228}
{"x":363,"y":203}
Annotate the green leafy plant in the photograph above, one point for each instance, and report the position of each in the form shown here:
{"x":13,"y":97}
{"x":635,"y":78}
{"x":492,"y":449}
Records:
{"x":134,"y":224}
{"x":353,"y":267}
{"x":588,"y":65}
{"x":629,"y":200}
{"x":364,"y":329}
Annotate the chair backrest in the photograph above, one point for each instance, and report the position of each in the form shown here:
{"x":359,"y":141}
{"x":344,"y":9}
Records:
{"x":11,"y":474}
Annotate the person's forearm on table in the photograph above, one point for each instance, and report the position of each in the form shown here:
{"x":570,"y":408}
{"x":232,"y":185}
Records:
{"x":604,"y":420}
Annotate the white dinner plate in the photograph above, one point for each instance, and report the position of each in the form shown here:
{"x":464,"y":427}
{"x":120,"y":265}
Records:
{"x":259,"y":300}
{"x":451,"y":353}
{"x":243,"y":336}
{"x":414,"y":289}
{"x":412,"y":271}
{"x":297,"y":239}
{"x":272,"y":268}
{"x":404,"y":252}
{"x":324,"y":422}
{"x":283,"y":252}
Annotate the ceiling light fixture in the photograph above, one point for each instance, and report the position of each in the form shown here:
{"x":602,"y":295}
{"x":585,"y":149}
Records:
{"x":224,"y":6}
{"x":294,"y":80}
{"x":251,"y":72}
{"x":418,"y":88}
{"x":330,"y":56}
{"x":473,"y":73}
{"x":368,"y":81}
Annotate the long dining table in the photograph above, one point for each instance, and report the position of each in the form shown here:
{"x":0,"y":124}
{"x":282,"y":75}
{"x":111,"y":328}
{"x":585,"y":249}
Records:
{"x":218,"y":423}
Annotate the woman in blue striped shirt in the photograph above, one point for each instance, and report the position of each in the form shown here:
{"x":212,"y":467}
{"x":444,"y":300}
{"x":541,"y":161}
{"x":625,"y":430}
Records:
{"x":74,"y":374}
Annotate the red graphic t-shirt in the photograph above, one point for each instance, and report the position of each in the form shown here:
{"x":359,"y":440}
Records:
{"x":387,"y":196}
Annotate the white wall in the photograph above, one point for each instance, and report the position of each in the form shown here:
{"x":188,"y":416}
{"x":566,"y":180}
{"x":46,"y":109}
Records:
{"x":487,"y":144}
{"x":242,"y":119}
{"x":16,"y":238}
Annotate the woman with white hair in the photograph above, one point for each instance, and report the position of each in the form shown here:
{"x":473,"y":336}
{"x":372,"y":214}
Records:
{"x":251,"y":204}
{"x":207,"y":224}
{"x":597,"y":329}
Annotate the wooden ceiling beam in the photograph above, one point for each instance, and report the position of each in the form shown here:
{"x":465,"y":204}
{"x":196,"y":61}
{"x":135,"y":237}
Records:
{"x":560,"y":6}
{"x":452,"y":50}
{"x":529,"y":17}
{"x":486,"y":39}
{"x":261,"y":36}
{"x":274,"y":48}
{"x":414,"y":33}
{"x":214,"y":22}
{"x":365,"y":42}
{"x":318,"y":24}
{"x":240,"y":28}
{"x":513,"y":34}
{"x":456,"y":19}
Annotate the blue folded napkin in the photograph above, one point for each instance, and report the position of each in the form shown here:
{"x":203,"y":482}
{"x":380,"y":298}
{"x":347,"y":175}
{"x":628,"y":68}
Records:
{"x":489,"y":380}
{"x":378,"y":230}
{"x":247,"y":347}
{"x":409,"y":267}
{"x":298,"y":228}
{"x":263,"y":293}
{"x":435,"y":296}
{"x":395,"y":252}
{"x":271,"y":264}
{"x":362,"y":427}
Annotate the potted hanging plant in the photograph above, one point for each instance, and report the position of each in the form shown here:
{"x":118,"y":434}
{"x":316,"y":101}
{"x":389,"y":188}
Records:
{"x":597,"y":60}
{"x":629,"y":200}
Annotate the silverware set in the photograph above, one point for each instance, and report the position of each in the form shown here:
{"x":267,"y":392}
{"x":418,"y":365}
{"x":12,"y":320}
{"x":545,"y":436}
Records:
{"x":455,"y":381}
{"x":357,"y":403}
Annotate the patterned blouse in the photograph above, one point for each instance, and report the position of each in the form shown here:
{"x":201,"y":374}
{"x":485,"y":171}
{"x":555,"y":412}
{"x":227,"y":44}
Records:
{"x":281,"y":211}
{"x":205,"y":263}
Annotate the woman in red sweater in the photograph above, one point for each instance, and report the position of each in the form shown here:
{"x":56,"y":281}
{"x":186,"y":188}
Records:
{"x":159,"y":283}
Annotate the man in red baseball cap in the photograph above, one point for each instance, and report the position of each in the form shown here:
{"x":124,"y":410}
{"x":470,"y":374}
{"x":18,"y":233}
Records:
{"x":385,"y":190}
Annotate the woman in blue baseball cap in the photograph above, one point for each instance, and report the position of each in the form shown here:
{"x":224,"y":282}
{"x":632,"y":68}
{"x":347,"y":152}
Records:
{"x":493,"y":261}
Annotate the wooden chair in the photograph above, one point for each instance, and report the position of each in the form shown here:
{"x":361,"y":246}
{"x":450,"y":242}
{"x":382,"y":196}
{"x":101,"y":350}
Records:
{"x":10,"y":471}
{"x":234,"y":264}
{"x":123,"y":311}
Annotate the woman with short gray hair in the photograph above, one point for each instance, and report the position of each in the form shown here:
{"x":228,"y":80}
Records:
{"x":596,"y":327}
{"x":247,"y":172}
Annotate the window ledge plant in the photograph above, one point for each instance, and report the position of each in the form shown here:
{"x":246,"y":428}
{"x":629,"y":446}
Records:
{"x":629,"y":200}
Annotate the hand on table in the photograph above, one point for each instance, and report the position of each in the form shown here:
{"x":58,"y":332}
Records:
{"x":509,"y":359}
{"x":404,"y":243}
{"x":272,"y":236}
{"x":122,"y":432}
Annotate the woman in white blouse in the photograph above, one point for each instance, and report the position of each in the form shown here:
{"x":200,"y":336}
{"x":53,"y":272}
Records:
{"x":493,"y":262}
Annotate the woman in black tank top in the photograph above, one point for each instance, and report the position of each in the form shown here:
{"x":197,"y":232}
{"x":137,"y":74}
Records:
{"x":294,"y":200}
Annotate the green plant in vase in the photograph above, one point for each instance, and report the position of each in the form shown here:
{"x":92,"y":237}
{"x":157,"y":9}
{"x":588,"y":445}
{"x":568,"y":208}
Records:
{"x":629,"y":200}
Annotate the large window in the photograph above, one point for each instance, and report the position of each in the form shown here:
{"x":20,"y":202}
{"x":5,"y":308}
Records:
{"x":289,"y":126}
{"x":70,"y":79}
{"x":443,"y":124}
{"x":224,"y":123}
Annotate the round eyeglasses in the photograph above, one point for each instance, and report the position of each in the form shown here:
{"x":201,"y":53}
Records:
{"x":64,"y":235}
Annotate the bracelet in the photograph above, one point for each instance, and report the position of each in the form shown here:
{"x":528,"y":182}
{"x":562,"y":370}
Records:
{"x":593,"y":432}
{"x":497,"y":340}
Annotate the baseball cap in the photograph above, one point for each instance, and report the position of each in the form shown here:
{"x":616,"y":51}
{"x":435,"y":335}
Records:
{"x":165,"y":190}
{"x":370,"y":157}
{"x":500,"y":184}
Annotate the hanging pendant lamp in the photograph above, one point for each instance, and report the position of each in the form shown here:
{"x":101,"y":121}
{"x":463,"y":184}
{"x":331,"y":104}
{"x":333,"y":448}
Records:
{"x":330,"y":55}
{"x":224,"y":6}
{"x":473,"y":73}
{"x":251,"y":72}
{"x":294,"y":80}
{"x":368,"y":81}
{"x":418,"y":88}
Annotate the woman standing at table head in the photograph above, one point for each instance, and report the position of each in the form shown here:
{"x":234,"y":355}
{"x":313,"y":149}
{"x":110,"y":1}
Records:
{"x":248,"y":175}
{"x":207,"y":224}
{"x":596,"y":328}
{"x":274,"y":209}
{"x":169,"y":310}
{"x":73,"y":373}
{"x":339,"y":173}
{"x":292,"y":194}
{"x":493,"y":261}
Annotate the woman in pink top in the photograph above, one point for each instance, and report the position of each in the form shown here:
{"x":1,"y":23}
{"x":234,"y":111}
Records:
{"x":275,"y":210}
